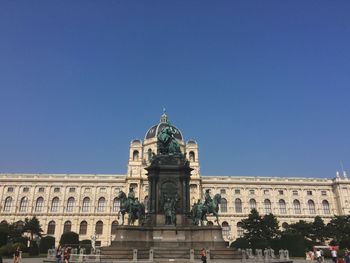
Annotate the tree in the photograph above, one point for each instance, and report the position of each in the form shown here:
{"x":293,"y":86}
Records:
{"x":302,"y":228}
{"x":318,"y":230}
{"x":260,"y":231}
{"x":32,"y":226}
{"x":4,"y":232}
{"x":339,"y":230}
{"x":46,"y":243}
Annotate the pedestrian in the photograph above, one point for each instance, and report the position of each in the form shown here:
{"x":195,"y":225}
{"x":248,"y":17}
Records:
{"x":59,"y":254}
{"x":334,"y":255}
{"x":318,"y":255}
{"x":203,"y":255}
{"x":66,"y":255}
{"x":347,"y":257}
{"x":17,"y":256}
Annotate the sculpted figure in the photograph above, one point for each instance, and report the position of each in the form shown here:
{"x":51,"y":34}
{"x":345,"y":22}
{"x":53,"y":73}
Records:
{"x":207,"y":197}
{"x":170,"y":211}
{"x":167,"y":142}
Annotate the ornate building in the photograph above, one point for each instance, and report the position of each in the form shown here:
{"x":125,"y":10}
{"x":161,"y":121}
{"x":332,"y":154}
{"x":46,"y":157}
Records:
{"x":88,"y":203}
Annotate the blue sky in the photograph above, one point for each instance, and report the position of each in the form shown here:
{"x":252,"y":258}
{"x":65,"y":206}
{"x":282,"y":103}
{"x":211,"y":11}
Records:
{"x":263,"y":86}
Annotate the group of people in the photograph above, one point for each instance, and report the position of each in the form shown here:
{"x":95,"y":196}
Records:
{"x":62,"y":254}
{"x":318,"y":255}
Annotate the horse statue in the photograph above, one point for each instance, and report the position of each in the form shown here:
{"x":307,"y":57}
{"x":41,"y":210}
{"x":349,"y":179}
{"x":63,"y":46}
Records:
{"x":135,"y":209}
{"x":200,"y":211}
{"x":123,"y":205}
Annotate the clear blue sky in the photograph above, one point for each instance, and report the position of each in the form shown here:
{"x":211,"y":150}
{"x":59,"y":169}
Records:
{"x":263,"y":86}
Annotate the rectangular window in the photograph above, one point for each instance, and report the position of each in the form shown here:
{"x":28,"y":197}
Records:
{"x":295,"y":192}
{"x":56,"y":190}
{"x":323,"y":192}
{"x":72,"y":189}
{"x":251,"y":191}
{"x":309,"y":192}
{"x":238,"y":191}
{"x":266,"y":192}
{"x":25,"y":190}
{"x":10,"y":189}
{"x":103,"y":190}
{"x":41,"y":189}
{"x":87,"y":190}
{"x":222,"y":191}
{"x":280,"y":192}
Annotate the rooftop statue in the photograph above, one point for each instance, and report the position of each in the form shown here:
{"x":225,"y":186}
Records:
{"x":167,"y":144}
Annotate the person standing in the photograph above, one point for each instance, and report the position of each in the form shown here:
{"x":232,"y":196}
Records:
{"x":318,"y":255}
{"x":66,"y":255}
{"x":203,"y":255}
{"x":334,"y":255}
{"x":347,"y":257}
{"x":59,"y":254}
{"x":17,"y":256}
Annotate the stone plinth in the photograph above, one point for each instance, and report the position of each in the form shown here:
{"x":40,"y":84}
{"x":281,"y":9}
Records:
{"x":169,"y":236}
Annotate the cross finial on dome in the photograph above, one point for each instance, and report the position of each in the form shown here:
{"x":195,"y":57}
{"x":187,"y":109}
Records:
{"x":164,"y":117}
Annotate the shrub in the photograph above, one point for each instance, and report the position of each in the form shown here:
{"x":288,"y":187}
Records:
{"x":33,"y":249}
{"x":86,"y":243}
{"x":240,"y":243}
{"x":9,"y":249}
{"x":46,"y":243}
{"x":69,"y":239}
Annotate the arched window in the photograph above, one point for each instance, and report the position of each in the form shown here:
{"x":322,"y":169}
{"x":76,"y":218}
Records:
{"x":325,"y":206}
{"x":192,"y":156}
{"x":39,"y":204}
{"x":8,"y":204}
{"x":225,"y":229}
{"x":311,"y":205}
{"x":101,"y":204}
{"x":296,"y":205}
{"x":67,"y":226}
{"x":70,"y":204}
{"x":86,"y":205}
{"x":240,"y":230}
{"x":223,"y":205}
{"x":149,"y":154}
{"x":114,"y":227}
{"x":282,"y":206}
{"x":51,"y":228}
{"x":238,"y":205}
{"x":83,"y":228}
{"x":54,"y":204}
{"x":99,"y":228}
{"x":267,"y":206}
{"x":135,"y":155}
{"x":23,"y":204}
{"x":145,"y":202}
{"x":252,"y":204}
{"x":116,"y":205}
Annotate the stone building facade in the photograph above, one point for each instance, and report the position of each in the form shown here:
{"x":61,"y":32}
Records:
{"x":88,"y":203}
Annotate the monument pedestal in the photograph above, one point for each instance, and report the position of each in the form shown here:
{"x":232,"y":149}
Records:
{"x":168,"y":232}
{"x":191,"y":237}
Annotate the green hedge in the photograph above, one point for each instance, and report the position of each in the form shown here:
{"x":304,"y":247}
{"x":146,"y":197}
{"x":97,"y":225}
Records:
{"x":9,"y":249}
{"x":46,"y":243}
